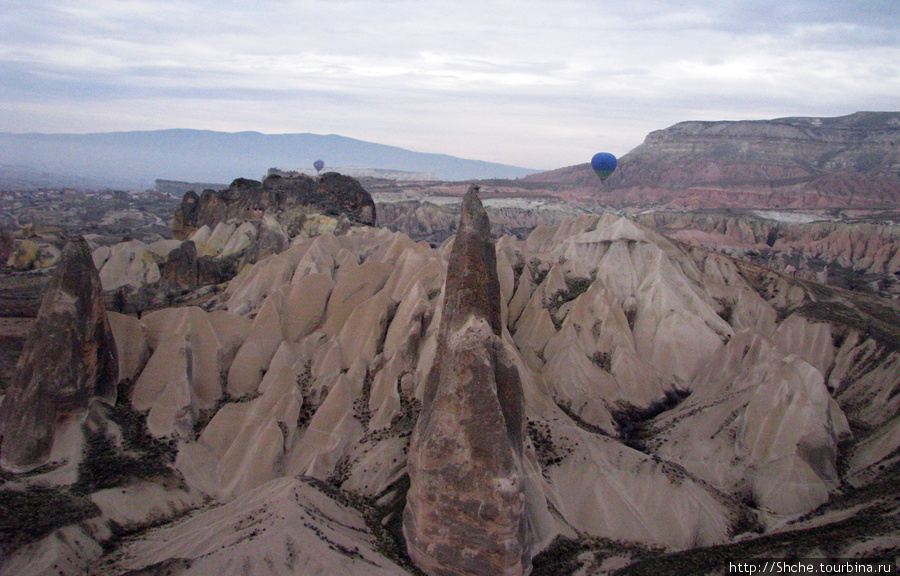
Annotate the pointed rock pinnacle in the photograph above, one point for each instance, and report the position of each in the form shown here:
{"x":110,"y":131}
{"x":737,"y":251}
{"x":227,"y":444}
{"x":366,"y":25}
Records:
{"x":69,"y":357}
{"x":466,"y":511}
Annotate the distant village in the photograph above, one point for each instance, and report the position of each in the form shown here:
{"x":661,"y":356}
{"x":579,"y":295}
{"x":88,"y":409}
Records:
{"x":161,"y":190}
{"x":143,"y":213}
{"x":73,"y":193}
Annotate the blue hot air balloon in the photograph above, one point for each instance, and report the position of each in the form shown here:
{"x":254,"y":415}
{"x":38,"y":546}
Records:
{"x":603,"y":164}
{"x":318,"y":165}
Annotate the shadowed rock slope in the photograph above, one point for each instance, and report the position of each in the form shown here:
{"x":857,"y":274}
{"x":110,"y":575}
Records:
{"x":465,"y":510}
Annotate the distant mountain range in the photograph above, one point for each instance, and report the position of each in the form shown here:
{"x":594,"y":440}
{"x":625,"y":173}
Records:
{"x":131,"y":159}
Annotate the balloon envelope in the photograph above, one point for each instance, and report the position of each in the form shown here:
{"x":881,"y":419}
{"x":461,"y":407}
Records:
{"x":603,"y":164}
{"x":318,"y":165}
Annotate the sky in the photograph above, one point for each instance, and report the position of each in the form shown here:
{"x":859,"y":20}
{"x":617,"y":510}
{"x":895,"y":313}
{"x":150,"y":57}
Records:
{"x":533,"y":83}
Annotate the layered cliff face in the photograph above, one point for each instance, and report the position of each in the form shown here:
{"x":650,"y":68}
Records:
{"x":466,"y":508}
{"x":788,"y":162}
{"x":768,"y":150}
{"x":69,"y":358}
{"x":676,"y":405}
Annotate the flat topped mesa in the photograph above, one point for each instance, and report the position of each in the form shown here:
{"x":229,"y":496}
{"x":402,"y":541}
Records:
{"x":69,"y":357}
{"x":466,"y":510}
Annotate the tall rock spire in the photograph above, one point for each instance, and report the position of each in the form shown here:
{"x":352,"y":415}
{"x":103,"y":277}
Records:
{"x":69,"y":357}
{"x":466,"y":509}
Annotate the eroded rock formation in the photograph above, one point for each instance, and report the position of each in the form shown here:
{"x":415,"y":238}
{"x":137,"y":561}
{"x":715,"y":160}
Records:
{"x":69,"y":358}
{"x":465,"y":509}
{"x":855,"y":254}
{"x":672,"y":399}
{"x":291,"y":199}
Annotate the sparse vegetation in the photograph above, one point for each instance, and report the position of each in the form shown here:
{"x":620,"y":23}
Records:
{"x":566,"y":556}
{"x":603,"y":361}
{"x":361,"y":404}
{"x":539,"y":271}
{"x":341,"y":472}
{"x":726,"y":309}
{"x":787,"y":544}
{"x":575,"y":287}
{"x":105,"y":465}
{"x":42,"y":469}
{"x":578,"y":420}
{"x":120,"y":532}
{"x":141,"y":456}
{"x":29,"y":514}
{"x":304,"y":382}
{"x":871,"y":319}
{"x":384,"y":520}
{"x":632,"y":420}
{"x":550,"y":451}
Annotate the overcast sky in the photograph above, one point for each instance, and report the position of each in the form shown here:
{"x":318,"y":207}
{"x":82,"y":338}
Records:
{"x":534,"y":83}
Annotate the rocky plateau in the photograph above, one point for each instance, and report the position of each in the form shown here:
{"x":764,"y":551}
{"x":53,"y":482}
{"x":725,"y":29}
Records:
{"x":848,"y":161}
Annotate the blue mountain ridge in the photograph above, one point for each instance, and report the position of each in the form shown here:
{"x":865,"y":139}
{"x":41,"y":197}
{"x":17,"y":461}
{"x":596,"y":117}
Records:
{"x":140,"y":157}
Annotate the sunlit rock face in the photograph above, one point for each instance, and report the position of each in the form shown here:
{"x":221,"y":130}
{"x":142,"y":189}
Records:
{"x":466,"y":508}
{"x":69,"y":358}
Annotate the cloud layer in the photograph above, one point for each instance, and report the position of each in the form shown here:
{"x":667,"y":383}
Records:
{"x":534,"y":83}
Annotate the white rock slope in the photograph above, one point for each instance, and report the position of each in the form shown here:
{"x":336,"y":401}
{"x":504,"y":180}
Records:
{"x":671,"y":400}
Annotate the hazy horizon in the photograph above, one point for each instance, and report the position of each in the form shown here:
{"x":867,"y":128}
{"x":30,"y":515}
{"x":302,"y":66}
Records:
{"x":135,"y":157}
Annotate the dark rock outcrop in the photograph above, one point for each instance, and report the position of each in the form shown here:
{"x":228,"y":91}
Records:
{"x":180,"y":269}
{"x":7,"y":246}
{"x":69,"y":358}
{"x":466,"y":511}
{"x":184,"y":270}
{"x":290,"y":200}
{"x":186,"y":216}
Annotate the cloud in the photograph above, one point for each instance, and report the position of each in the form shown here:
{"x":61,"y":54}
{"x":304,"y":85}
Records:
{"x":531,"y":82}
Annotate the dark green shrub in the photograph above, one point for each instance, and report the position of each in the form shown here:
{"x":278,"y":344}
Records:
{"x":26,"y":515}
